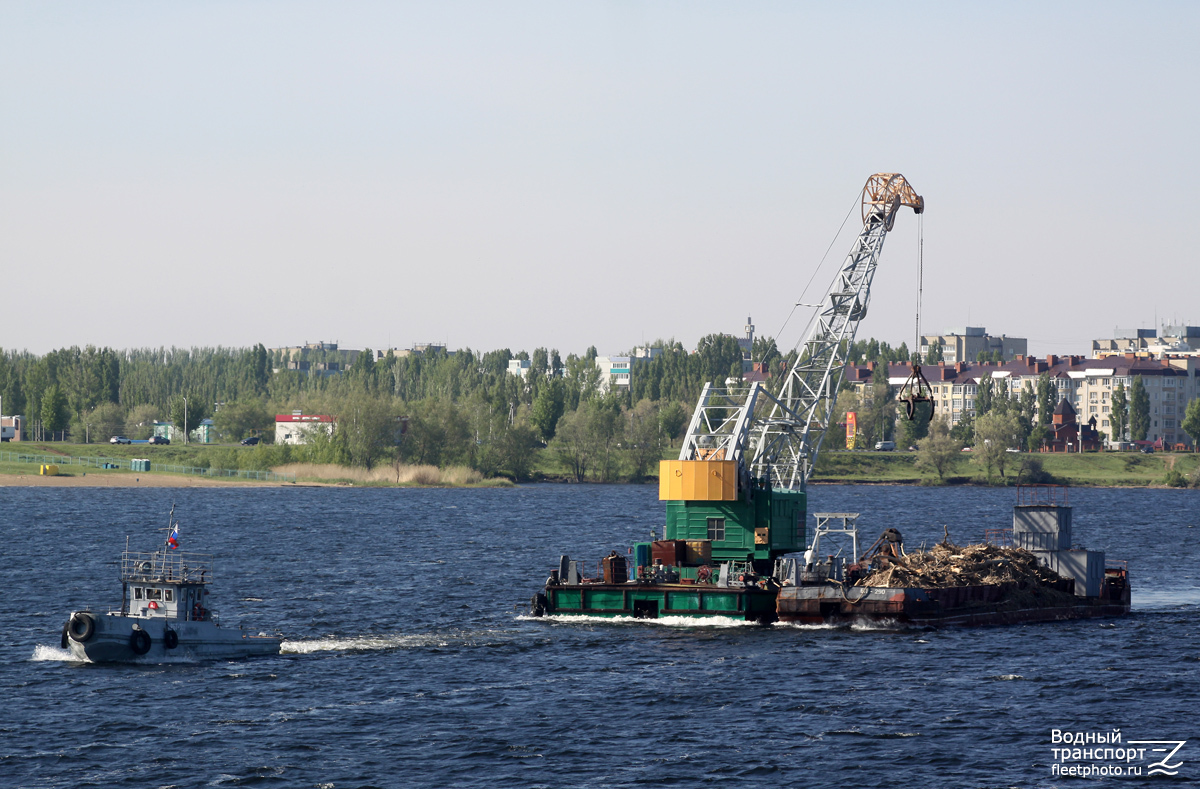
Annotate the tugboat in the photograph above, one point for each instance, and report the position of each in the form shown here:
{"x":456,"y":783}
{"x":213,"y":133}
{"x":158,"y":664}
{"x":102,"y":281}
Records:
{"x":164,"y":614}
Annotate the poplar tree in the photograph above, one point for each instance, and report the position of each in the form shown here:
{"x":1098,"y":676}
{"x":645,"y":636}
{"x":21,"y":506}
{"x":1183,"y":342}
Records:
{"x":1119,"y":418}
{"x":1139,"y":410}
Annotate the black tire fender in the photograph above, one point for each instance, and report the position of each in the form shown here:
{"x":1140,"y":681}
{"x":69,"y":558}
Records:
{"x":139,"y":642}
{"x":81,"y":627}
{"x":170,"y":638}
{"x":64,"y":636}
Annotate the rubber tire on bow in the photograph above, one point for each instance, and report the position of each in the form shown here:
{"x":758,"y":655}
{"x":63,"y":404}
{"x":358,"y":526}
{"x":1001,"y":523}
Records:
{"x":64,"y":636}
{"x":139,"y":642}
{"x":81,"y":627}
{"x":170,"y":638}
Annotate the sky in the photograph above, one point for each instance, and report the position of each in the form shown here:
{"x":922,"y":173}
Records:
{"x":528,"y":174}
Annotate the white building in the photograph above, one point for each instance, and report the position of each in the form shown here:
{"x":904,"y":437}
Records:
{"x":966,"y":343}
{"x":614,"y":371}
{"x":296,"y":427}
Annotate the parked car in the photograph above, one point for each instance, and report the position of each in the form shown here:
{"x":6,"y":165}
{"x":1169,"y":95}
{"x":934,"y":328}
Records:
{"x":1147,"y":450}
{"x":119,"y":440}
{"x":159,"y":440}
{"x":885,"y":446}
{"x":249,"y":442}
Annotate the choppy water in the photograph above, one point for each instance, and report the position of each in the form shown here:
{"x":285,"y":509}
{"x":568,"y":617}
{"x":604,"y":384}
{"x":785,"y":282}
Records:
{"x":407,"y":662}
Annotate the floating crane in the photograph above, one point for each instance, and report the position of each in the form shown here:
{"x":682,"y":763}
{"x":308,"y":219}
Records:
{"x":735,"y":498}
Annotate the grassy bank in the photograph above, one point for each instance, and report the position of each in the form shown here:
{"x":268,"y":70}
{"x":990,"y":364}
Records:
{"x":1104,"y":469}
{"x":233,"y":457}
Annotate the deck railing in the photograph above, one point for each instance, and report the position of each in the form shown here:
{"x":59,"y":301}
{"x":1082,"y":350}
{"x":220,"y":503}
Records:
{"x":1056,"y":495}
{"x":167,"y":566}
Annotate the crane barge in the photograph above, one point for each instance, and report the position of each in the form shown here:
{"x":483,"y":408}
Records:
{"x":735,"y":538}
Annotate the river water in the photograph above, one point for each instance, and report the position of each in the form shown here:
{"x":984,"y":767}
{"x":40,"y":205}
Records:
{"x":408,"y":661}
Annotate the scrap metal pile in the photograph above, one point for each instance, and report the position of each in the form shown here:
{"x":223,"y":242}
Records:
{"x":947,"y":565}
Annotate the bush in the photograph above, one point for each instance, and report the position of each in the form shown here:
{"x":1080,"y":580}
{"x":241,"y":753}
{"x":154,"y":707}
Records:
{"x":1174,"y":479}
{"x":1033,"y":472}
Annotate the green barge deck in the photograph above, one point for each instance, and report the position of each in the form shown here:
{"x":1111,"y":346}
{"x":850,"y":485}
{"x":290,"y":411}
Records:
{"x":655,"y":600}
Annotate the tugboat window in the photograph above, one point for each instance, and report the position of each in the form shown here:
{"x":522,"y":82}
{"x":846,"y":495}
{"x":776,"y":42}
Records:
{"x":716,"y":528}
{"x":154,"y":594}
{"x":167,"y":595}
{"x":137,"y":593}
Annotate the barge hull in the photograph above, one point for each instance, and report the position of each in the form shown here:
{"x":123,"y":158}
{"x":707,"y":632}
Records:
{"x":651,"y":601}
{"x":955,"y":606}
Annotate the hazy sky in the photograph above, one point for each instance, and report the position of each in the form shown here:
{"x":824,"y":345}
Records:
{"x":566,"y":174}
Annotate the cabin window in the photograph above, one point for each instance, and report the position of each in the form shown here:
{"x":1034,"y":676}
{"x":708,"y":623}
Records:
{"x":154,"y":594}
{"x":716,"y":528}
{"x":167,"y":595}
{"x":137,"y":593}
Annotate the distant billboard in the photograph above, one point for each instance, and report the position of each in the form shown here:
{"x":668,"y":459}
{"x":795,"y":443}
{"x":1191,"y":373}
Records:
{"x":851,"y":428}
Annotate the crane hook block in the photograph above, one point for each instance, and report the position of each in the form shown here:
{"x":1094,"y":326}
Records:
{"x":915,"y":390}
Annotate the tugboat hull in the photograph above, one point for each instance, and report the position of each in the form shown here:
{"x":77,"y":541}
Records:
{"x":112,"y":638}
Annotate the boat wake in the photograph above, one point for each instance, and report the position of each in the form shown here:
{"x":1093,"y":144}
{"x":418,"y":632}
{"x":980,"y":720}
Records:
{"x":42,"y":653}
{"x":862,"y":625}
{"x":376,"y":643}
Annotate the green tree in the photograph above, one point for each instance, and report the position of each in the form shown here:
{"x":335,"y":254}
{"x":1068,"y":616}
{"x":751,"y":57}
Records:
{"x":1191,"y":420}
{"x":1027,"y":413}
{"x":195,"y":409}
{"x":369,"y":428}
{"x":103,"y":422}
{"x":985,"y":396}
{"x":54,"y":409}
{"x":644,"y":439}
{"x":994,"y":434}
{"x":1045,"y":400}
{"x":1139,"y":410}
{"x":139,"y":422}
{"x":548,"y":408}
{"x":917,"y":428}
{"x":572,"y":445}
{"x":1119,"y":418}
{"x":514,"y":450}
{"x":241,"y":418}
{"x":14,"y":396}
{"x":936,"y":354}
{"x":605,"y":425}
{"x":672,"y":418}
{"x":938,"y":451}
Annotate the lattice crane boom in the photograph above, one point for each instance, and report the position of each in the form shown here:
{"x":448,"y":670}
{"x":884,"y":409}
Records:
{"x":777,"y":437}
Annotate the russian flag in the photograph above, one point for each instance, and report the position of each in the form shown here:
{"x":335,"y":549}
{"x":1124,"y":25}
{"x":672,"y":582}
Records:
{"x":173,"y":540}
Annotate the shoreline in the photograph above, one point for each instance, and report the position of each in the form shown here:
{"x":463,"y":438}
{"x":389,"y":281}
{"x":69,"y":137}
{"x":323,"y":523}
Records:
{"x":151,"y":480}
{"x":134,"y":481}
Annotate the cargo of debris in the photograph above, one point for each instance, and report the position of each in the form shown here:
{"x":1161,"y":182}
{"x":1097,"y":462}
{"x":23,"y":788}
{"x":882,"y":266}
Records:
{"x":1038,"y":576}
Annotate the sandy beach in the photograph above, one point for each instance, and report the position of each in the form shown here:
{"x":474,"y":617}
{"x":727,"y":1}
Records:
{"x":129,"y":481}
